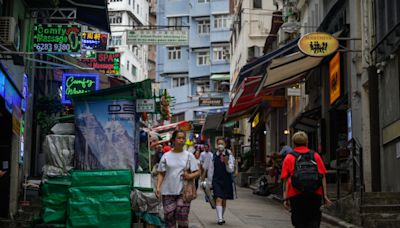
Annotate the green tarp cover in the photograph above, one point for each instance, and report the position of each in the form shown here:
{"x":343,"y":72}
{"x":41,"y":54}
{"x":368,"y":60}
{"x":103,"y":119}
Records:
{"x":54,"y":199}
{"x":99,"y":206}
{"x":102,"y":177}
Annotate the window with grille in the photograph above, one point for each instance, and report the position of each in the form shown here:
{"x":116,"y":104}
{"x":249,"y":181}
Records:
{"x":203,"y":27}
{"x":178,"y":82}
{"x":203,"y":58}
{"x":174,"y":53}
{"x":175,"y":23}
{"x":221,"y":53}
{"x":221,"y":21}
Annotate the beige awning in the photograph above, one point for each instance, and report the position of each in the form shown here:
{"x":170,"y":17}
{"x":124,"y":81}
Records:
{"x":289,"y":68}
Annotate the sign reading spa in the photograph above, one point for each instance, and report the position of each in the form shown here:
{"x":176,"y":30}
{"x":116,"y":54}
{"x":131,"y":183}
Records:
{"x":56,"y":38}
{"x":74,"y":84}
{"x":318,"y":44}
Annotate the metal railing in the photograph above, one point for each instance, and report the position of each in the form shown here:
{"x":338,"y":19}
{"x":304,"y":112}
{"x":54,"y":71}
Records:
{"x":355,"y":158}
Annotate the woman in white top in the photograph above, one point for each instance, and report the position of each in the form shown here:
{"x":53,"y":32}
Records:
{"x":170,"y":181}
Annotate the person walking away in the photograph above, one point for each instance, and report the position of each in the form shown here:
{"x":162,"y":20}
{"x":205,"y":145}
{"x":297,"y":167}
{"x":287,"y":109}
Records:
{"x":206,"y":158}
{"x":285,"y":149}
{"x":172,"y":172}
{"x":197,"y":156}
{"x":304,"y":184}
{"x":222,"y":168}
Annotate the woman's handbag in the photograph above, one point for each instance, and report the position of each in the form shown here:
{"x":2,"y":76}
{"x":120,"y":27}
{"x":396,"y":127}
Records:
{"x":189,"y":187}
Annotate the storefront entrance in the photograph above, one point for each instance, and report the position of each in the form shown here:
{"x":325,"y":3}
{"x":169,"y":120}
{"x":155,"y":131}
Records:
{"x":5,"y":158}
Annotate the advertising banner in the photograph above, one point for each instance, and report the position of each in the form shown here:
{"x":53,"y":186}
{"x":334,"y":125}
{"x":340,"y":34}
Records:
{"x":55,"y":38}
{"x":107,"y":134}
{"x":158,"y":37}
{"x":74,"y":84}
{"x":211,"y":101}
{"x":334,"y":78}
{"x":105,"y":63}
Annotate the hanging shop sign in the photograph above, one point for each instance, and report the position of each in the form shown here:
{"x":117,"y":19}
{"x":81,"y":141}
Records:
{"x":57,"y":38}
{"x":74,"y":84}
{"x":256,"y":120}
{"x":158,"y":37}
{"x":294,"y":92}
{"x":334,"y":78}
{"x":211,"y":101}
{"x":318,"y":44}
{"x":94,"y":41}
{"x":145,"y":105}
{"x":105,"y":63}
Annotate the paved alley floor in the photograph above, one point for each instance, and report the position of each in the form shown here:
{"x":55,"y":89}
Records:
{"x":248,"y":211}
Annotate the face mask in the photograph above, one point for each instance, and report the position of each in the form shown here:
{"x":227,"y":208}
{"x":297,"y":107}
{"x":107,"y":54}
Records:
{"x":221,"y":147}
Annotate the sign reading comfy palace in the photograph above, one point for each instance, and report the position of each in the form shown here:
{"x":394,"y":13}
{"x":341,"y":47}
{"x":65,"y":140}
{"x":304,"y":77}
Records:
{"x":318,"y":44}
{"x":74,"y":84}
{"x":211,"y":101}
{"x":57,"y":38}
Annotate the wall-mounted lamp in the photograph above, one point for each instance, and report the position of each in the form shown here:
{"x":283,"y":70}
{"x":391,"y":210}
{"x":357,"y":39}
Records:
{"x":286,"y":132}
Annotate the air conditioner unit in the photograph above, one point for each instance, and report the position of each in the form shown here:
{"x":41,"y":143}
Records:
{"x":9,"y":33}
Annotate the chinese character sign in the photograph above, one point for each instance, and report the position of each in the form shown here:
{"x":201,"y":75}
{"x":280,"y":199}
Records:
{"x":55,"y":38}
{"x":94,"y":41}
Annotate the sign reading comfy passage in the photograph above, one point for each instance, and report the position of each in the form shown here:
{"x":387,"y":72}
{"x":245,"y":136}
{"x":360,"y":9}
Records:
{"x":57,"y":38}
{"x":318,"y":44}
{"x":74,"y":84}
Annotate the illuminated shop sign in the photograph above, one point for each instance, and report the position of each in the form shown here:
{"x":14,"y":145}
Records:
{"x":334,"y":78}
{"x":74,"y":84}
{"x":94,"y":41}
{"x":106,"y":63}
{"x":57,"y":38}
{"x":9,"y":93}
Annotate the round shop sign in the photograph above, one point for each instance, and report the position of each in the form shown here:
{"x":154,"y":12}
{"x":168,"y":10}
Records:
{"x":318,"y":44}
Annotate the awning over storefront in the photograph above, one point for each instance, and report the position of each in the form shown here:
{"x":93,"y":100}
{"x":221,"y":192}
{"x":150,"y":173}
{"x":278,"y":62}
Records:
{"x":90,"y":12}
{"x":308,"y":120}
{"x":259,"y":66}
{"x":220,"y":77}
{"x":212,"y":122}
{"x":170,"y":127}
{"x":288,"y":69}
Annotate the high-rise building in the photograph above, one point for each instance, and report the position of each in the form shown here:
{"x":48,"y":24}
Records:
{"x":196,"y":75}
{"x":125,"y":15}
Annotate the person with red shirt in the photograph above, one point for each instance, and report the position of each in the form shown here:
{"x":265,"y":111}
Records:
{"x":305,"y":207}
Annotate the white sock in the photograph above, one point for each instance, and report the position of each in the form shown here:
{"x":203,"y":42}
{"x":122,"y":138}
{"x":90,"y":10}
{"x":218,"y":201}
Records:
{"x":219,"y":213}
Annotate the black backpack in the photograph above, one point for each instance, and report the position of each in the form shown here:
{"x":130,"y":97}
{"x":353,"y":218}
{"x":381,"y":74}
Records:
{"x":306,"y":177}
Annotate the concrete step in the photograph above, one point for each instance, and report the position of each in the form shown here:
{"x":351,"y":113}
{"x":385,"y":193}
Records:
{"x":376,"y":216}
{"x":381,"y":198}
{"x":382,"y":223}
{"x":384,"y":208}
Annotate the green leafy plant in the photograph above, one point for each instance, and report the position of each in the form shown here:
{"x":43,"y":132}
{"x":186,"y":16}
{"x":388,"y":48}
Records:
{"x":47,"y":108}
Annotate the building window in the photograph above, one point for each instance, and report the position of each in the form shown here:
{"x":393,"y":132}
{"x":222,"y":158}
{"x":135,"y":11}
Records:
{"x":221,"y":21}
{"x":127,"y":65}
{"x":257,"y":4}
{"x":221,"y":53}
{"x":203,"y":1}
{"x":134,"y":70}
{"x":203,"y":27}
{"x":221,"y":86}
{"x":175,"y":23}
{"x":203,"y":58}
{"x":129,"y":2}
{"x":178,"y":82}
{"x":115,"y":19}
{"x":202,"y":87}
{"x":178,"y":117}
{"x":116,"y":40}
{"x":137,"y":8}
{"x":174,"y":53}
